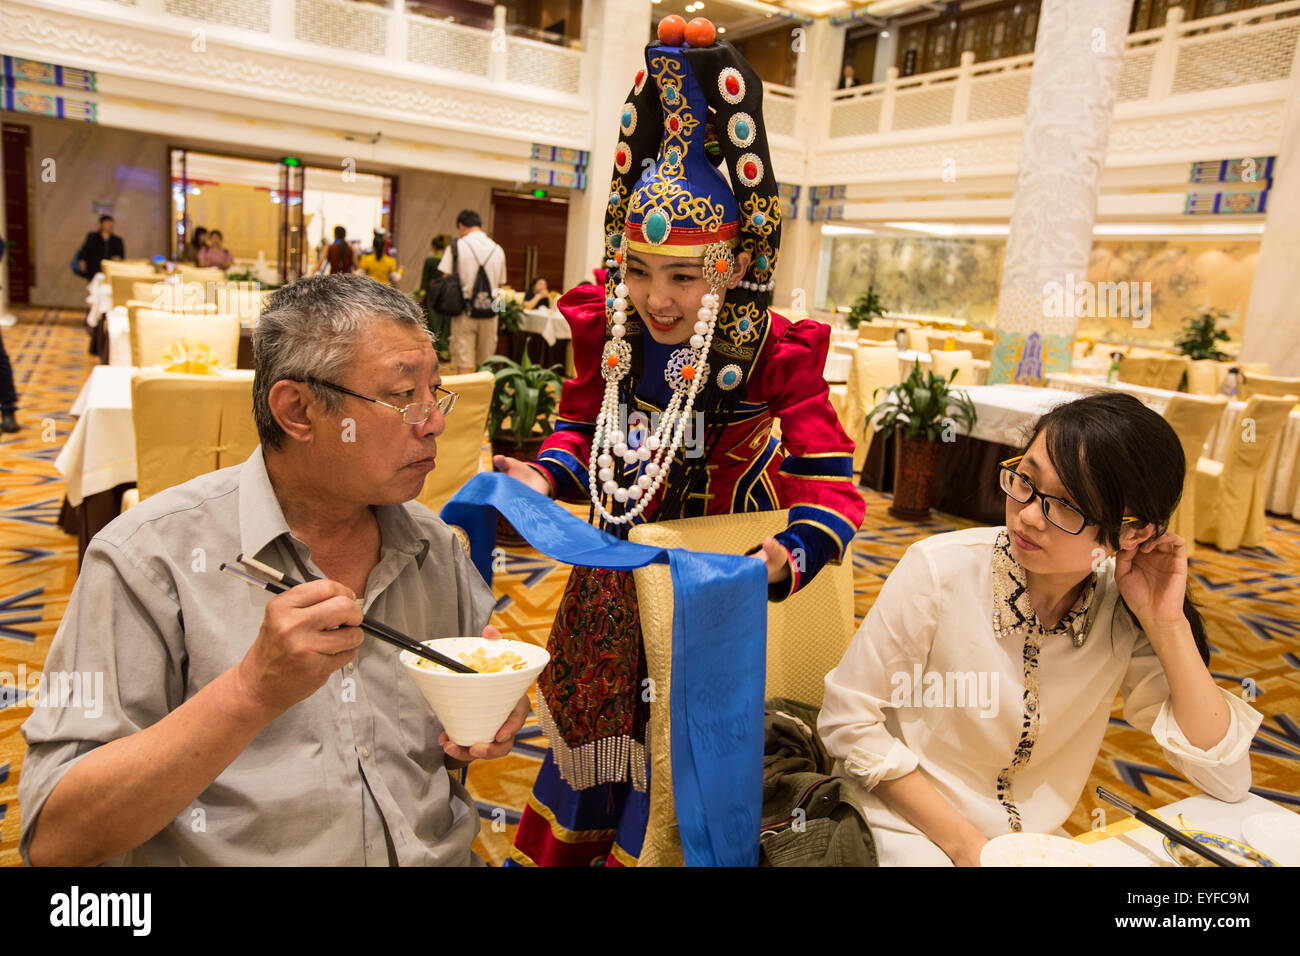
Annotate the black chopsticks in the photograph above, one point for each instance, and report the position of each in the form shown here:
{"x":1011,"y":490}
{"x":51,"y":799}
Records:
{"x":1156,"y":823}
{"x":281,"y":582}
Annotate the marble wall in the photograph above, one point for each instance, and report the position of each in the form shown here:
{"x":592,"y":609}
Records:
{"x":90,"y":164}
{"x":427,"y":204}
{"x":960,"y":278}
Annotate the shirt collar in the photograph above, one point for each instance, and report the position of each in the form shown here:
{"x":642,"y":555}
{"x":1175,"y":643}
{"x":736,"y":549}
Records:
{"x":1012,"y":610}
{"x":261,"y":520}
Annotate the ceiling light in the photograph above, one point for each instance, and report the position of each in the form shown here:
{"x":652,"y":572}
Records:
{"x":883,"y":33}
{"x":722,"y":29}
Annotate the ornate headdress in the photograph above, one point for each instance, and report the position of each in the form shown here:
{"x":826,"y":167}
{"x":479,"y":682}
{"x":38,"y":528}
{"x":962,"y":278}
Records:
{"x":668,"y":197}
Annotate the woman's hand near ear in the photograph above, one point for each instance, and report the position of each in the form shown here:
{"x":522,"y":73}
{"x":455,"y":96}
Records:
{"x":1152,"y":578}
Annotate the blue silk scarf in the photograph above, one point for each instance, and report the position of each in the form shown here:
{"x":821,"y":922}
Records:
{"x":718,"y":663}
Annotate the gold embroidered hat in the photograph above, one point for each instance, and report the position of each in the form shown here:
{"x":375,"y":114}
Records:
{"x":696,"y":104}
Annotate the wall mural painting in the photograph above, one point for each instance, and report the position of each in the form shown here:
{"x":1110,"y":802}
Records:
{"x":960,"y":278}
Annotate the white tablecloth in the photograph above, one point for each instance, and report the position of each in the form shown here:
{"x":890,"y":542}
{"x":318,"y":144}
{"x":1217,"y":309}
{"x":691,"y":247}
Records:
{"x":551,"y":325}
{"x":99,"y":296}
{"x":100,"y":452}
{"x":1131,"y":843}
{"x":1282,"y":466}
{"x":1004,"y":412}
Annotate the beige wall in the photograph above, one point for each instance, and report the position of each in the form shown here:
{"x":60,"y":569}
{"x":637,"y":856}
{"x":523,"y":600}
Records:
{"x":427,"y":204}
{"x":91,"y":163}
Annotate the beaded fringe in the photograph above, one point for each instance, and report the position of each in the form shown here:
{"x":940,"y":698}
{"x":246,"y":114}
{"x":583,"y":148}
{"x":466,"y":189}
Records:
{"x":608,"y":760}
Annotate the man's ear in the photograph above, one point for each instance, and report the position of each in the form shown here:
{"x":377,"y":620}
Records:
{"x":1134,"y":535}
{"x":738,"y":273}
{"x":294,"y":407}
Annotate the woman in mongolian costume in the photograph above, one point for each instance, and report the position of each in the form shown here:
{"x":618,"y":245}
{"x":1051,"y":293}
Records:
{"x":681,"y":370}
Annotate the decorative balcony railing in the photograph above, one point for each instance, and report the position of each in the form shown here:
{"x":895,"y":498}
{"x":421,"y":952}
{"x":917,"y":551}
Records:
{"x":1181,"y":58}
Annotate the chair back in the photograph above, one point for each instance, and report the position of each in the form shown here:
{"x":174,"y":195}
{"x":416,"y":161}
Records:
{"x":1274,"y":385}
{"x":152,"y":332}
{"x":189,"y":425}
{"x":943,"y":363}
{"x":1243,"y":486}
{"x":1203,"y":377}
{"x":460,"y":447}
{"x":877,"y":331}
{"x":918,"y":340}
{"x":874,"y":367}
{"x":122,"y":285}
{"x":807,"y":635}
{"x":209,"y":276}
{"x":1192,"y":418}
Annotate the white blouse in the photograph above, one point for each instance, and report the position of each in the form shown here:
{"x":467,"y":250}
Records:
{"x":951,"y":672}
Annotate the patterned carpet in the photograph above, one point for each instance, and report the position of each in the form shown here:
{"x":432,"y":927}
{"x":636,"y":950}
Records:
{"x":1247,"y":598}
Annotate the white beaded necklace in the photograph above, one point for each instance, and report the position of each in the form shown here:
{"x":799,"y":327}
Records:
{"x":687,"y":378}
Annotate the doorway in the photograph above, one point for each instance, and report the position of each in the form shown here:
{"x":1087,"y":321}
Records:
{"x":532,"y":230}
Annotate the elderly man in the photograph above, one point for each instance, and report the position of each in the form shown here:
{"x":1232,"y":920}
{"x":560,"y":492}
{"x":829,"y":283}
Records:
{"x":240,"y":728}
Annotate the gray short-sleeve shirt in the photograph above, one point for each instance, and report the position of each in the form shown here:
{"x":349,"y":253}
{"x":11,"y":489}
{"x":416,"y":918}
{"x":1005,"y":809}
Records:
{"x":353,"y":775}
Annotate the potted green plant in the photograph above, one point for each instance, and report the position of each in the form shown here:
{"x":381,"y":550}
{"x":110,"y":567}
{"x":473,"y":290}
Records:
{"x":510,"y":314}
{"x":525,"y":394}
{"x":1201,"y":335}
{"x":865,"y":308}
{"x":919,"y":413}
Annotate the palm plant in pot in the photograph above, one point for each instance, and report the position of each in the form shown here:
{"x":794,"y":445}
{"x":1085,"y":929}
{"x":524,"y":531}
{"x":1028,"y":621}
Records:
{"x":525,"y":394}
{"x":919,"y":413}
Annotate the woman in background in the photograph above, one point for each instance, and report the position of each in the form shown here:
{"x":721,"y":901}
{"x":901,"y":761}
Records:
{"x":1079,"y":597}
{"x":199,"y":241}
{"x":378,"y":264}
{"x":439,"y":324}
{"x":539,"y":296}
{"x":214,"y":254}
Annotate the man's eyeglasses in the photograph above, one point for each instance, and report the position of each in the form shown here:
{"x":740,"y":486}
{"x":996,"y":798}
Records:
{"x":1056,"y":510}
{"x":417,"y":413}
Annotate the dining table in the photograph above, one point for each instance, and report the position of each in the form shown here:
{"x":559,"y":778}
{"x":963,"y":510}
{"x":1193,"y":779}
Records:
{"x":98,"y":459}
{"x":1128,"y":841}
{"x":965,"y":479}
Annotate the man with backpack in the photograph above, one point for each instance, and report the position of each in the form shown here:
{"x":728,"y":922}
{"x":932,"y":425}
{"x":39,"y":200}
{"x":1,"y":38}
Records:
{"x":481,"y":267}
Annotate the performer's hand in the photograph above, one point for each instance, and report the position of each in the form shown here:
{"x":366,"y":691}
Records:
{"x":518,"y":470}
{"x":776,"y":559}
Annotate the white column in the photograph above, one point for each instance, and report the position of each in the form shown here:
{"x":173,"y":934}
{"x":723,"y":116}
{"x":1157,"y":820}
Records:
{"x":397,"y":32}
{"x":498,"y":48}
{"x":1075,"y":79}
{"x":615,"y":33}
{"x":886,"y":50}
{"x":817,"y":76}
{"x":1271,"y":333}
{"x":282,"y":20}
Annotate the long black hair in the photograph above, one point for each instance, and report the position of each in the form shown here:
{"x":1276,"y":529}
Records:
{"x":1116,"y":457}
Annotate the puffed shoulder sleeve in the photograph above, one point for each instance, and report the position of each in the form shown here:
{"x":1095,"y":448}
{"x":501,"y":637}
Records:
{"x":896,"y":634}
{"x":816,"y":477}
{"x":566,"y":452}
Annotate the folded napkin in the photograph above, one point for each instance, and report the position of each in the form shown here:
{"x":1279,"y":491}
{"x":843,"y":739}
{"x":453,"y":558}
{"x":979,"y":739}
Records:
{"x":190,"y":358}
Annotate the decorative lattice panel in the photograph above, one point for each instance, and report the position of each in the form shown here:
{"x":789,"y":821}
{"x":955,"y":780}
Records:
{"x":779,"y":115}
{"x":433,"y":43}
{"x":248,"y":14}
{"x":915,"y":109}
{"x":342,"y":25}
{"x":999,"y":96}
{"x":539,"y":64}
{"x":1135,"y":76}
{"x":855,"y":117}
{"x":1226,"y":60}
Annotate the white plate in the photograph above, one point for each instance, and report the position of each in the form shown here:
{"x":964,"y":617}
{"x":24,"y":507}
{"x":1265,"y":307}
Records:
{"x":1033,"y":849}
{"x":1276,"y":835}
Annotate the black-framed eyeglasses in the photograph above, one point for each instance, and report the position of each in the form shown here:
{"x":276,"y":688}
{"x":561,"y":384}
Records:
{"x":417,"y":413}
{"x":1058,"y":511}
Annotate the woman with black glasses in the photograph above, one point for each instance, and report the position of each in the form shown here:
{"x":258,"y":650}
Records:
{"x":973,"y":700}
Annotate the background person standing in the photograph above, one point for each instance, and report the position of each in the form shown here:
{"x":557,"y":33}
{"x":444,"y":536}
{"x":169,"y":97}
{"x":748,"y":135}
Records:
{"x":474,"y":339}
{"x":99,"y":246}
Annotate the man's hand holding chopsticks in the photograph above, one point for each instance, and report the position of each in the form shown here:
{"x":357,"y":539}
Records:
{"x":307,"y":633}
{"x":505,"y":738}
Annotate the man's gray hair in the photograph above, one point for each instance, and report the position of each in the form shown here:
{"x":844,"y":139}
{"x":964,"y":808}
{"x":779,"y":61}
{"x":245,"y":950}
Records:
{"x":312,"y":329}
